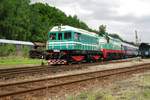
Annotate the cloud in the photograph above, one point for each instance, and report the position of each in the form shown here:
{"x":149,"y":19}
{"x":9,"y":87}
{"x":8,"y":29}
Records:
{"x":120,"y":16}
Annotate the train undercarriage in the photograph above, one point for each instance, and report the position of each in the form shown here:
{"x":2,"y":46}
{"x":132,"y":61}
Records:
{"x":77,"y":56}
{"x":72,"y":56}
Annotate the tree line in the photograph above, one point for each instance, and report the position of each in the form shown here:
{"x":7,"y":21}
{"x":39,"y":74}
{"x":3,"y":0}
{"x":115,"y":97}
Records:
{"x":21,"y":20}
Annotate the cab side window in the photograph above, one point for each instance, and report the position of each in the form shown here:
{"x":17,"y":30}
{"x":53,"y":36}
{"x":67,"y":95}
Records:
{"x":77,"y":36}
{"x":67,"y":35}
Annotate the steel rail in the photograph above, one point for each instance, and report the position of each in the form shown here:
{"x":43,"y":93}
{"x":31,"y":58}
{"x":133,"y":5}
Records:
{"x":108,"y":72}
{"x":12,"y":71}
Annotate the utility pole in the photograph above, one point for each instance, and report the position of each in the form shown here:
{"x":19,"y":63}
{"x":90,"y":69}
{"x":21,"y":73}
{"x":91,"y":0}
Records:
{"x":136,"y":37}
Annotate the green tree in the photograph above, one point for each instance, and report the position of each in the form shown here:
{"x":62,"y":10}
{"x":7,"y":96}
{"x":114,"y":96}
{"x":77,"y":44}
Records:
{"x":15,"y":19}
{"x":21,"y":20}
{"x":102,"y":30}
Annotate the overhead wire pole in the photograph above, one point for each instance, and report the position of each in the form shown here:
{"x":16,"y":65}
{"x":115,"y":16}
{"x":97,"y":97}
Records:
{"x":137,"y":42}
{"x":136,"y":37}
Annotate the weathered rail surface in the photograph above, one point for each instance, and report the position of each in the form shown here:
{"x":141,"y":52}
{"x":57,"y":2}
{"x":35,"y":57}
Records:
{"x":13,"y":72}
{"x":22,"y":87}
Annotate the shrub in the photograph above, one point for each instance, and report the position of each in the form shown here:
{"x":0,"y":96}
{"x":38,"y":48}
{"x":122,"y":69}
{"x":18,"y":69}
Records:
{"x":7,"y":49}
{"x":14,"y":50}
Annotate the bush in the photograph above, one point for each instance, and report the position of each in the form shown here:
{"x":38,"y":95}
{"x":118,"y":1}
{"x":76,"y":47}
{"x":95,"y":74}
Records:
{"x":25,"y":51}
{"x":7,"y":49}
{"x":14,"y":50}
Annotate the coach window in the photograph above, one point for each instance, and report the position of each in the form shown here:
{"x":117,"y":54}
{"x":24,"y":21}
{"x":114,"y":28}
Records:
{"x":96,"y":41}
{"x":52,"y":36}
{"x":67,"y":35}
{"x":59,"y":36}
{"x":77,"y":36}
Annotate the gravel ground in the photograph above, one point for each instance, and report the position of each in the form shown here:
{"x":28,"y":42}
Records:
{"x":136,"y":87}
{"x":18,"y":66}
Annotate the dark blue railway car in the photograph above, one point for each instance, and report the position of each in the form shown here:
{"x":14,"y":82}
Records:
{"x":144,"y":50}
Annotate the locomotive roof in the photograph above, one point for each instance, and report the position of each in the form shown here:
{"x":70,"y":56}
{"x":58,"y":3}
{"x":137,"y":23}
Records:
{"x":16,"y":42}
{"x":115,"y":39}
{"x":70,"y":28}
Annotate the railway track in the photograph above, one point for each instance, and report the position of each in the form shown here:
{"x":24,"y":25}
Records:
{"x":23,"y":87}
{"x":10,"y":73}
{"x":13,"y":72}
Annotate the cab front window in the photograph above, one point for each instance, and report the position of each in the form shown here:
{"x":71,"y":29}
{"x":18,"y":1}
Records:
{"x":52,"y":36}
{"x":59,"y":36}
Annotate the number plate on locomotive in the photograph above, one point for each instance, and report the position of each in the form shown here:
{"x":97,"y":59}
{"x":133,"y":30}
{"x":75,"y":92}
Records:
{"x":56,"y":50}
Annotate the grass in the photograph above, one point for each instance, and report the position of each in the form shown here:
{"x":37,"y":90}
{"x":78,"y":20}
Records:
{"x":92,"y":95}
{"x":145,"y":88}
{"x":4,"y":61}
{"x":139,"y":90}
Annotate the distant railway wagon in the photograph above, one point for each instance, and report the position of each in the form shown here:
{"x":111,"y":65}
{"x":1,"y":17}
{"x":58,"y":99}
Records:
{"x":144,"y":50}
{"x":67,"y":44}
{"x":38,"y":51}
{"x":130,"y":50}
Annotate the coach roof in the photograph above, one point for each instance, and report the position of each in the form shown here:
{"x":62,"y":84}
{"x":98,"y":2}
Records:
{"x":16,"y":42}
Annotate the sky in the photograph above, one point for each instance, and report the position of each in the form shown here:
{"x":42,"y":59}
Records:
{"x":121,"y":16}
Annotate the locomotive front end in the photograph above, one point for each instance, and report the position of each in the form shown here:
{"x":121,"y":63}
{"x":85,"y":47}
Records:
{"x":57,"y":46}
